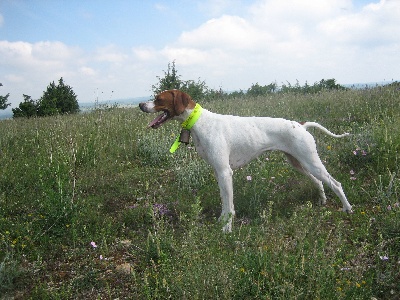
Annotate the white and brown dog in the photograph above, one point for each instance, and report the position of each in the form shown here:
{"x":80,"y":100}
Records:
{"x":229,"y":142}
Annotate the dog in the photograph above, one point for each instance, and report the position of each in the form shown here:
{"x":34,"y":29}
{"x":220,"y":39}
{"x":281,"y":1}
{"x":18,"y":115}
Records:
{"x":229,"y":142}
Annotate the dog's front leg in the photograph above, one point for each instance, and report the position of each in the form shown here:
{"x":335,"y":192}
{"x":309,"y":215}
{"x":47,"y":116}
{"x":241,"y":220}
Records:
{"x":224,"y":177}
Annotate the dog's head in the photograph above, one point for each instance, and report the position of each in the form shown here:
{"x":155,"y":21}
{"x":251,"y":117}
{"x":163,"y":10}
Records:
{"x":171,"y":103}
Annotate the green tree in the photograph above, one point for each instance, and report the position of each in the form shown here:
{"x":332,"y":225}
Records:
{"x":26,"y":109}
{"x":58,"y":99}
{"x":172,"y":80}
{"x":259,"y":90}
{"x":329,"y":84}
{"x":3,"y":101}
{"x":197,"y":90}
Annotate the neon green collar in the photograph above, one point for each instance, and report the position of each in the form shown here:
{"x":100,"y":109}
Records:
{"x":188,"y":124}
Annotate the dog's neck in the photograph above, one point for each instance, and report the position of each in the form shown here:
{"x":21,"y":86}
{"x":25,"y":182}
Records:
{"x":193,"y":115}
{"x":191,"y":119}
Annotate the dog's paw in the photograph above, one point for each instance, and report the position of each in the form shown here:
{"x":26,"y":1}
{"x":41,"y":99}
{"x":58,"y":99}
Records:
{"x":348,"y":210}
{"x":227,"y":220}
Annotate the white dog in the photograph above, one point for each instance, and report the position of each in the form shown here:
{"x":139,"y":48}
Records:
{"x":229,"y":142}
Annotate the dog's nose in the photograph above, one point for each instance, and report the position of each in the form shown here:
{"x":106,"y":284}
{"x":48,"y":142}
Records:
{"x":142,"y":106}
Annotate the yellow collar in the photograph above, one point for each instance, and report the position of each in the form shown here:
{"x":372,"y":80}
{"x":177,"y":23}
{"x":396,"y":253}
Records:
{"x":188,"y":124}
{"x":192,"y":119}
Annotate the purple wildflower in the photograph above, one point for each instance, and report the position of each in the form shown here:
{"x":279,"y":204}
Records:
{"x":160,"y":209}
{"x":384,"y":257}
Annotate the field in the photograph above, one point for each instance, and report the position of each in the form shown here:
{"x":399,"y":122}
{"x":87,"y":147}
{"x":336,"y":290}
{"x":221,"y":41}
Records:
{"x":93,"y":206}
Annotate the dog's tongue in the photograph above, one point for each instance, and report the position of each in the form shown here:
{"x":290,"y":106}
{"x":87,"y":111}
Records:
{"x":157,"y":121}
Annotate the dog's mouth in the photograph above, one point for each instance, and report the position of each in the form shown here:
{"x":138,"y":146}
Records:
{"x":159,"y":120}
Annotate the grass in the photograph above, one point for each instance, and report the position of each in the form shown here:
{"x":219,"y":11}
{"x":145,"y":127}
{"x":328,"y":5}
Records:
{"x":94,"y":206}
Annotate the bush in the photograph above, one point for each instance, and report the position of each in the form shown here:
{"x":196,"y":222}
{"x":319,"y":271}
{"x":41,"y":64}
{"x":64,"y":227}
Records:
{"x":26,"y":109}
{"x":57,"y":99}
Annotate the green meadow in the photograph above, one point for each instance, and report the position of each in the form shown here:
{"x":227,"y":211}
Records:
{"x":93,"y":206}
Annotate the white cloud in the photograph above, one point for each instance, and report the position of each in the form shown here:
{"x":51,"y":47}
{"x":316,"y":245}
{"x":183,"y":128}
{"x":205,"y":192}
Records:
{"x":228,"y":32}
{"x":292,"y":39}
{"x":87,"y":71}
{"x":29,"y":67}
{"x":110,"y":54}
{"x":373,"y":26}
{"x":15,"y":53}
{"x":144,"y":53}
{"x":24,"y":55}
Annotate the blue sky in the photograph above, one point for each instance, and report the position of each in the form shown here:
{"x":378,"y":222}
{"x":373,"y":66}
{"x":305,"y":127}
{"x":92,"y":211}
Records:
{"x":121,"y":46}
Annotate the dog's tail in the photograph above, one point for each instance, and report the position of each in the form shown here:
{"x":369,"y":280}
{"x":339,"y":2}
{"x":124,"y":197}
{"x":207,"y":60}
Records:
{"x":313,"y":124}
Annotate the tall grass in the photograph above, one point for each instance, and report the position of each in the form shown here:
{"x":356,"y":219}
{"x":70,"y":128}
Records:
{"x":94,"y":206}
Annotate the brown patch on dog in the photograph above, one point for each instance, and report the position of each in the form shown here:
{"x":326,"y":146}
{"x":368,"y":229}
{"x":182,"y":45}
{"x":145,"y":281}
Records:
{"x":173,"y":101}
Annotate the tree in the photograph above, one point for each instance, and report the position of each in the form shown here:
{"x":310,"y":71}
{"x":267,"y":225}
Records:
{"x":3,"y":101}
{"x":26,"y":109}
{"x":58,"y":99}
{"x":172,"y":80}
{"x":329,"y":84}
{"x":259,"y":90}
{"x":196,"y":90}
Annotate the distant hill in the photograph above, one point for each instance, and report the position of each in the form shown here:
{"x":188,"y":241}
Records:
{"x":119,"y":102}
{"x":366,"y":85}
{"x":6,"y":114}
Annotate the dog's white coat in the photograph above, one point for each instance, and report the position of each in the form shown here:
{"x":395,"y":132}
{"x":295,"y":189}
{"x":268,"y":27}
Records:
{"x":228,"y":142}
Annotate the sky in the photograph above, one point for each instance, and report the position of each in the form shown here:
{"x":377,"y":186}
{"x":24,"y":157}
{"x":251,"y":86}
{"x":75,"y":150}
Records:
{"x":116,"y":49}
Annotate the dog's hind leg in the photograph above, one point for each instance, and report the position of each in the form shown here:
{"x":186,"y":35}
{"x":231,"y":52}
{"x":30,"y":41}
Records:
{"x":297,"y":165}
{"x":315,"y":167}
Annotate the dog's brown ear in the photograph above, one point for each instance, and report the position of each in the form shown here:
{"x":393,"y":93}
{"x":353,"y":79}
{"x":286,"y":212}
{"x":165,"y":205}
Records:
{"x":181,"y":101}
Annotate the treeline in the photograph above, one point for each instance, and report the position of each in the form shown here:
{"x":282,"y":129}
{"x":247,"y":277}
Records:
{"x":199,"y":90}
